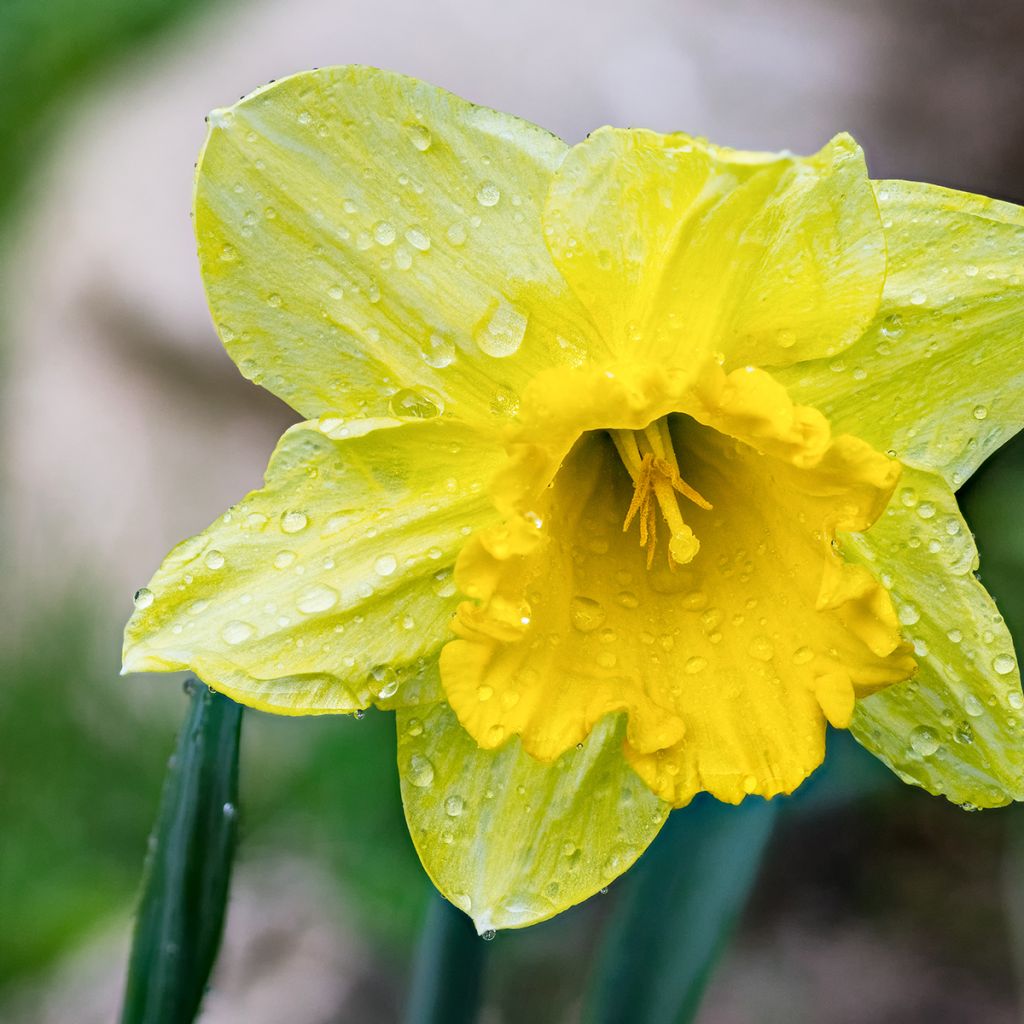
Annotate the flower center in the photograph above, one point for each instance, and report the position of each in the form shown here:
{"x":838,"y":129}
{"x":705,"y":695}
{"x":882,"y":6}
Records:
{"x":651,"y":462}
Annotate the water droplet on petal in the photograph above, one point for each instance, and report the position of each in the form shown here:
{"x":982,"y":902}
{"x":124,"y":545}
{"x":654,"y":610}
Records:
{"x":421,"y":771}
{"x":384,"y":682}
{"x":144,"y":598}
{"x":503,"y":332}
{"x":236,"y":632}
{"x":1004,"y":664}
{"x":214,"y":559}
{"x":908,"y":614}
{"x":293,"y":522}
{"x":420,"y":405}
{"x":384,"y":233}
{"x":488,"y":194}
{"x":420,"y":136}
{"x":802,"y":655}
{"x":418,"y":238}
{"x":439,"y":352}
{"x":586,"y":614}
{"x":925,"y":741}
{"x":454,"y":806}
{"x":385,"y":565}
{"x":319,"y":598}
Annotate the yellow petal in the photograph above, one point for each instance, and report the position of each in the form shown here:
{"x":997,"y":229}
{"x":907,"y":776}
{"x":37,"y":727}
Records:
{"x":680,"y":248}
{"x":728,"y":667}
{"x":331,"y":587}
{"x":511,"y":841}
{"x":956,"y":728}
{"x":938,"y":378}
{"x":349,"y":221}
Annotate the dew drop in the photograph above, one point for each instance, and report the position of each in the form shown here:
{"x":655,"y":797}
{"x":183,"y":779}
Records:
{"x":416,"y":404}
{"x":383,"y":681}
{"x":454,"y":806}
{"x":627,"y":599}
{"x":761,"y":648}
{"x":237,"y":632}
{"x":418,"y":238}
{"x":973,"y":706}
{"x":214,"y":559}
{"x":505,"y":402}
{"x":421,"y":771}
{"x":586,"y":614}
{"x":892,"y":325}
{"x":918,"y":297}
{"x":293,"y":522}
{"x":283,"y":559}
{"x":503,"y":333}
{"x":439,"y":352}
{"x":1003,"y":664}
{"x":385,"y":565}
{"x":384,"y":233}
{"x":924,"y":741}
{"x":319,"y":598}
{"x":488,"y":935}
{"x":802,"y":655}
{"x":420,"y":136}
{"x":144,"y":598}
{"x":908,"y":614}
{"x":488,"y":194}
{"x":456,"y":234}
{"x":695,"y":665}
{"x":980,"y":412}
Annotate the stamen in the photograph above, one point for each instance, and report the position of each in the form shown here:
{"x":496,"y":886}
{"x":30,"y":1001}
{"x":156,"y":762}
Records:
{"x":650,"y":460}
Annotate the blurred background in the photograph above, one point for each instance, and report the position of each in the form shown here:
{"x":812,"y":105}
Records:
{"x":126,"y":428}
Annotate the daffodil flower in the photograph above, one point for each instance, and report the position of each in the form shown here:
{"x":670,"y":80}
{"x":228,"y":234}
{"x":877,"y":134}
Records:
{"x":626,"y":467}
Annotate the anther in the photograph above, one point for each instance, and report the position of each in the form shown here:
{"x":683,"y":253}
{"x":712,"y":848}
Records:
{"x":650,"y":460}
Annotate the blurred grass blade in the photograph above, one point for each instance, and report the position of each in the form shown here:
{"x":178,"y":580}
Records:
{"x":185,"y":887}
{"x":448,"y":974}
{"x":675,"y":913}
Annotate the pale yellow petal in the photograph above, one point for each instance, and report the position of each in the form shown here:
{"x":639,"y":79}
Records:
{"x":509,"y":840}
{"x":331,"y":587}
{"x":369,"y":242}
{"x":680,"y":249}
{"x":938,"y":378}
{"x":956,"y":728}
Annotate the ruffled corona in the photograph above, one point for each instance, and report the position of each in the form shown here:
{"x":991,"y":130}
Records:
{"x":730,"y":653}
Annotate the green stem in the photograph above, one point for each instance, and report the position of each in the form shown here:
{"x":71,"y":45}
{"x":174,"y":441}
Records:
{"x":185,"y":883}
{"x":447,"y":977}
{"x":675,"y":912}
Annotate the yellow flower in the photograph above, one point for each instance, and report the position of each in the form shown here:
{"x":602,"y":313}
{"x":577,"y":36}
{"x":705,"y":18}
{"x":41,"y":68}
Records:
{"x":626,"y":468}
